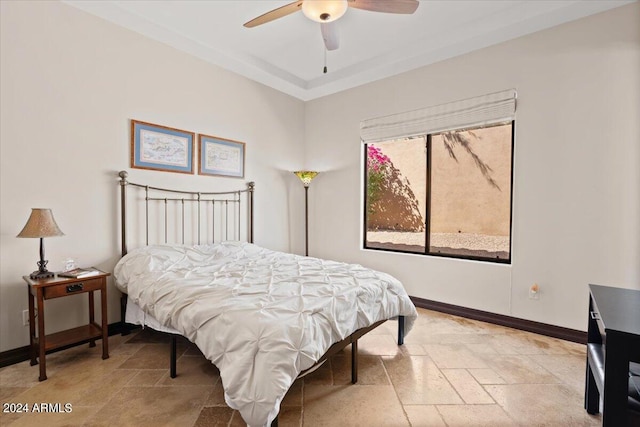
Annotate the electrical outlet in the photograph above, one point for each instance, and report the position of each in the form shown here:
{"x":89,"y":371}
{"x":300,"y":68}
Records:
{"x":25,"y":317}
{"x":534,"y":291}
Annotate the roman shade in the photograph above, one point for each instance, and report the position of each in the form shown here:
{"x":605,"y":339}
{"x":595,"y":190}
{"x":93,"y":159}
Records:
{"x":481,"y":110}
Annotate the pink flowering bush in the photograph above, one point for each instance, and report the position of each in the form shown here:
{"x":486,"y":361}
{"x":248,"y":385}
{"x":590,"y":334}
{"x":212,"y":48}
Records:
{"x":378,"y":168}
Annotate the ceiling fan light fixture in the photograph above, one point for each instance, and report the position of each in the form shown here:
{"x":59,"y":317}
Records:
{"x":324,"y":10}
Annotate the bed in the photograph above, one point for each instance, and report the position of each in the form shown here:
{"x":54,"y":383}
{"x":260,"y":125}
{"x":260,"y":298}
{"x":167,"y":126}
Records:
{"x":263,"y":317}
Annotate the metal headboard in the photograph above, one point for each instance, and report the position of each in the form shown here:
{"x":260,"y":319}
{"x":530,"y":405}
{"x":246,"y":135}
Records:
{"x":229,"y":205}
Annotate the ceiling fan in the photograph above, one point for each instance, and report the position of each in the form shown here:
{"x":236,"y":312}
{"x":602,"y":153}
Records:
{"x":326,"y":12}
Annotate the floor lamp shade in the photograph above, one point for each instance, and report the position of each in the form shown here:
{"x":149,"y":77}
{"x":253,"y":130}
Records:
{"x":306,"y":177}
{"x":40,"y":225}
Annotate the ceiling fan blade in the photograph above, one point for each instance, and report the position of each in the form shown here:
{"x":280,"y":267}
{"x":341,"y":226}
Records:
{"x":387,"y":6}
{"x":330,"y":35}
{"x":275,"y":14}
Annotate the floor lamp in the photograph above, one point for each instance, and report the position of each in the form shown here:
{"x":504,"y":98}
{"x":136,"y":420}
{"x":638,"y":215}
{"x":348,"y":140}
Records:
{"x":306,"y":177}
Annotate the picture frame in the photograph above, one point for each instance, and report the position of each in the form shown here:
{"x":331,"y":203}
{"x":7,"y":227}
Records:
{"x":161,"y":148}
{"x":220,"y":156}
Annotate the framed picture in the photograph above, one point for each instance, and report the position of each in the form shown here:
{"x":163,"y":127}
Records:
{"x":219,"y":156}
{"x":161,"y":148}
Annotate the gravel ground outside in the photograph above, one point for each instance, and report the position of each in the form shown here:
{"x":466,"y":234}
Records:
{"x":450,"y":243}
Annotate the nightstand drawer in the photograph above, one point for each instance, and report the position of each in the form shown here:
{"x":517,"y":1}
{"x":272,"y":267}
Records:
{"x":64,"y":289}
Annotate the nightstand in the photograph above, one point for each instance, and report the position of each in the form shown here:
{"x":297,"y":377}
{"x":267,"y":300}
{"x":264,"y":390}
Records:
{"x":57,"y":287}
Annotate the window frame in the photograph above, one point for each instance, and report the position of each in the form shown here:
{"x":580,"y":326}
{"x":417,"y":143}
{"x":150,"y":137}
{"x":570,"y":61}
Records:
{"x":428,"y":139}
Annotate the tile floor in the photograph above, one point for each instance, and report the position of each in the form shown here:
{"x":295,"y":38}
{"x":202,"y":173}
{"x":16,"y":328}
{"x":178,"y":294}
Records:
{"x":451,"y":372}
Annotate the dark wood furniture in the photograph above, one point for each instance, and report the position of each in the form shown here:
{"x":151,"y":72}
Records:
{"x":613,"y":341}
{"x":56,"y":287}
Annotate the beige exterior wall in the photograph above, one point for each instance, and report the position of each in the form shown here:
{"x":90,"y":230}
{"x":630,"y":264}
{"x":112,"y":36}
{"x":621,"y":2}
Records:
{"x":402,"y":204}
{"x":463,"y":200}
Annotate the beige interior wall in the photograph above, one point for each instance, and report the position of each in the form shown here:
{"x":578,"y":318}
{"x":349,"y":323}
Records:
{"x":576,"y":204}
{"x":69,"y":84}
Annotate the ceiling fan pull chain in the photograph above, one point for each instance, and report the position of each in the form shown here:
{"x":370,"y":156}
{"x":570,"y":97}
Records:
{"x":325,"y":61}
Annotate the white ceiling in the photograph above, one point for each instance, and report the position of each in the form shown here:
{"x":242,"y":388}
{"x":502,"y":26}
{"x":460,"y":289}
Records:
{"x":288,"y":54}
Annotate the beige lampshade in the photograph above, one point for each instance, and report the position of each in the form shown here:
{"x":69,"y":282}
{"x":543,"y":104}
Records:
{"x":41,"y":224}
{"x":306,"y":176}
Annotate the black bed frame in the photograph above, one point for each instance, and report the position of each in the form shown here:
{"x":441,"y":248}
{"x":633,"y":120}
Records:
{"x":152,"y":195}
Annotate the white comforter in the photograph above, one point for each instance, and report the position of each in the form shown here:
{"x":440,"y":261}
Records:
{"x":260,"y":316}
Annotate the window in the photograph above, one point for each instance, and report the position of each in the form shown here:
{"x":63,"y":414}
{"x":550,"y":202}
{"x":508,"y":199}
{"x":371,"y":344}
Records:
{"x":396,"y":199}
{"x":445,"y":193}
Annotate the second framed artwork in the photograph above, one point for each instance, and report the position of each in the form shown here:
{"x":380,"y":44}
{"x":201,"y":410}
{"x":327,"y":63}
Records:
{"x":221,"y":157}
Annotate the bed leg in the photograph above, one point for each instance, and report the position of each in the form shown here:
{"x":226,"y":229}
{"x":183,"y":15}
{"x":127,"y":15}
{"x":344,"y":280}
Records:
{"x":354,"y":362}
{"x":173,"y":356}
{"x":400,"y":330}
{"x":274,"y":423}
{"x":124,"y":329}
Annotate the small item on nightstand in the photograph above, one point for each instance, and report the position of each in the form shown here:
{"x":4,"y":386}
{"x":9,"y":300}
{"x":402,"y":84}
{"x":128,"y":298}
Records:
{"x":79,"y":273}
{"x":69,"y":264}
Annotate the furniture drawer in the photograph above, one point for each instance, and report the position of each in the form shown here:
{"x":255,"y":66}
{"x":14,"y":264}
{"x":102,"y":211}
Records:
{"x":78,"y":287}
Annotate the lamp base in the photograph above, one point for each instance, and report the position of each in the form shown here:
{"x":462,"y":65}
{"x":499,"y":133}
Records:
{"x":37,"y":275}
{"x":42,"y":272}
